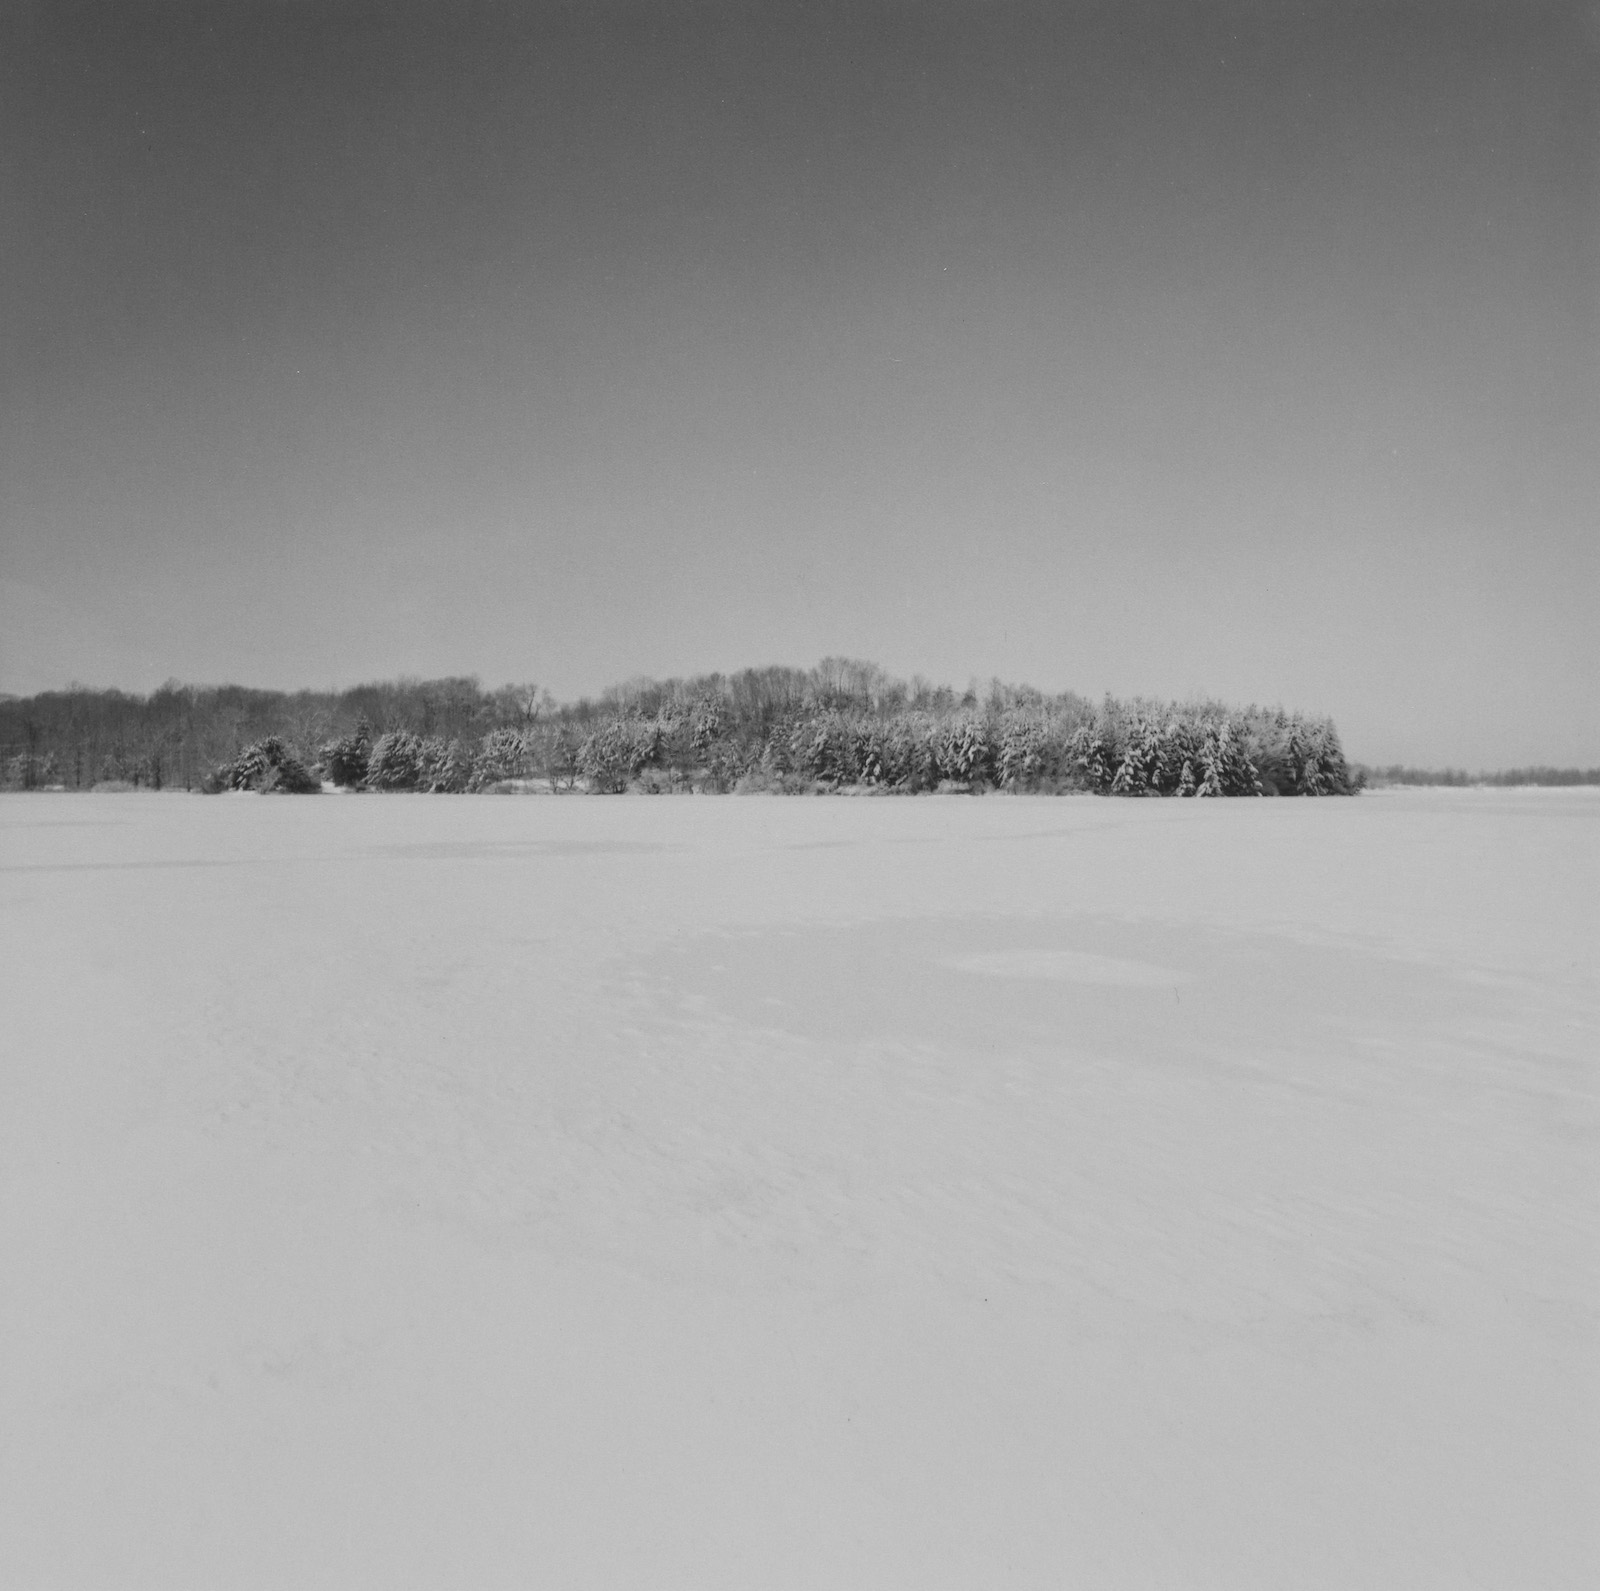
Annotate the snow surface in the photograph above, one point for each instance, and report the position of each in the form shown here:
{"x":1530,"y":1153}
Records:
{"x":478,"y":1192}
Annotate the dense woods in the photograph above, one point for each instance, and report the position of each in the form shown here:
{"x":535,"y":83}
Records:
{"x":841,"y":725}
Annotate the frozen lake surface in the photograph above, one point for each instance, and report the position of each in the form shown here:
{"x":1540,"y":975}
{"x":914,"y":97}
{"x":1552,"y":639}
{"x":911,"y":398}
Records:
{"x":480,"y":1192}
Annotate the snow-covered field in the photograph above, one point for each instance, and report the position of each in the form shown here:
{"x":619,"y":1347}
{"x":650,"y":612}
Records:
{"x":476,"y":1192}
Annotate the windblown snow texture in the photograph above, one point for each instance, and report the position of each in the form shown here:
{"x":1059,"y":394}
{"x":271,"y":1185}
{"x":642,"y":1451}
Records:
{"x":1005,"y":1192}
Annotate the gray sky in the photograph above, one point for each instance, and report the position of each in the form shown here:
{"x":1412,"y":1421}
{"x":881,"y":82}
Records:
{"x":1249,"y":350}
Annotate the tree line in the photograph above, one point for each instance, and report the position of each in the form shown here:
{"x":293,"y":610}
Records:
{"x":1459,"y":778}
{"x":844,"y":724}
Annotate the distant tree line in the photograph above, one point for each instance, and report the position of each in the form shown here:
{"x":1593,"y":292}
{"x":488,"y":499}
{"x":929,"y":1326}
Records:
{"x":1458,"y":778}
{"x":842,"y":725}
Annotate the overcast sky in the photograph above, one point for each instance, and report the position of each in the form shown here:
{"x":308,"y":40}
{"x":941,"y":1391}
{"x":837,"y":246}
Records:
{"x":1247,"y":350}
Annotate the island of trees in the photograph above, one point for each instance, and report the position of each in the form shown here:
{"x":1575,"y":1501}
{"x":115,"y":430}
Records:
{"x":844,"y":725}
